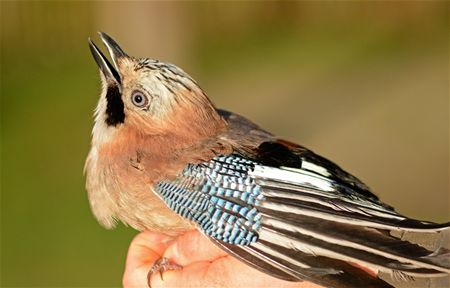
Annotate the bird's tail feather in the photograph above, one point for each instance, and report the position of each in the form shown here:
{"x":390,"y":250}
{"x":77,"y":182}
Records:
{"x":297,"y":242}
{"x":263,"y":257}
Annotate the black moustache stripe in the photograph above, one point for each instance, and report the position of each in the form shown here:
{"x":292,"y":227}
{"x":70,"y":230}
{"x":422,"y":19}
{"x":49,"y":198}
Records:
{"x":114,"y":108}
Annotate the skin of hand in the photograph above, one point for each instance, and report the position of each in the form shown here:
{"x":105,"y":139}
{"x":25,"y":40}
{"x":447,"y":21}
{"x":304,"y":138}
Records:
{"x":204,"y":264}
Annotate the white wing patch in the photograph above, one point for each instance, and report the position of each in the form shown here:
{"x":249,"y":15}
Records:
{"x":298,"y":177}
{"x":315,"y":168}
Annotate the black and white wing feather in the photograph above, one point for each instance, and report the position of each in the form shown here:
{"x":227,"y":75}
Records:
{"x":297,"y":217}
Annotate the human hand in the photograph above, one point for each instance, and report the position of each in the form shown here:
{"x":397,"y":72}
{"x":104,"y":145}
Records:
{"x":204,"y":264}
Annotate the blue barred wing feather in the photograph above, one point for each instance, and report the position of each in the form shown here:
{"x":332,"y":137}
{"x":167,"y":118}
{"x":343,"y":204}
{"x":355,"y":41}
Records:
{"x":220,"y":196}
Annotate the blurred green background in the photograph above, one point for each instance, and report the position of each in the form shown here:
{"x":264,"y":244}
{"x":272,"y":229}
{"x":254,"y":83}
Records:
{"x":364,"y":84}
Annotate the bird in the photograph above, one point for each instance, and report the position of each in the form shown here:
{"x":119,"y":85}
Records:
{"x":164,"y":158}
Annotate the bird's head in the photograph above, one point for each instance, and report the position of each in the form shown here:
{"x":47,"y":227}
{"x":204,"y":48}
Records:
{"x":148,"y":97}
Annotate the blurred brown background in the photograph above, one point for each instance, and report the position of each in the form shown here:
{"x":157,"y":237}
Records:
{"x":364,"y":84}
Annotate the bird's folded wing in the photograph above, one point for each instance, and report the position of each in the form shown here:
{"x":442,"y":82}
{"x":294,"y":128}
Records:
{"x":300,"y":222}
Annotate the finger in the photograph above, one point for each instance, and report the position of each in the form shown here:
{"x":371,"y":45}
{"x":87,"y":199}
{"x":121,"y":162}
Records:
{"x":193,"y":247}
{"x":190,"y":276}
{"x":145,"y":249}
{"x":223,"y":272}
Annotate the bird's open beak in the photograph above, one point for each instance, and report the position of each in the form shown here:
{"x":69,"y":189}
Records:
{"x":111,"y":72}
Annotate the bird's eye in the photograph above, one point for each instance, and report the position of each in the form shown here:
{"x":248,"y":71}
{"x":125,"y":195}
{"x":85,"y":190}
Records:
{"x":139,"y":99}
